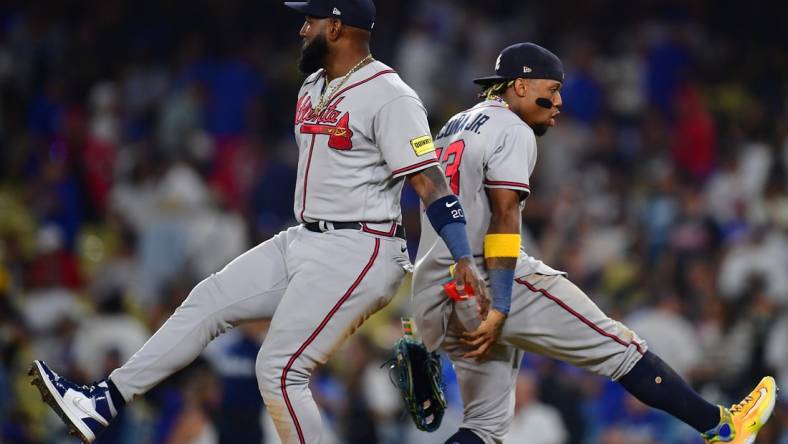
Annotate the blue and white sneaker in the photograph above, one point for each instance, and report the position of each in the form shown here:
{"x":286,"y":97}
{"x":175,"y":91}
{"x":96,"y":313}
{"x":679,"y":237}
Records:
{"x":86,"y":409}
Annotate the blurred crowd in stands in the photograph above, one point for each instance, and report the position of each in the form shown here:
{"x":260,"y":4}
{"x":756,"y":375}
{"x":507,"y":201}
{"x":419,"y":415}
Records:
{"x":145,"y":144}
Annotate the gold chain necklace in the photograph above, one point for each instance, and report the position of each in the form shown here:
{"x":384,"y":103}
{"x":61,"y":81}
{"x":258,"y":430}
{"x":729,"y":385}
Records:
{"x":325,"y":97}
{"x":497,"y":98}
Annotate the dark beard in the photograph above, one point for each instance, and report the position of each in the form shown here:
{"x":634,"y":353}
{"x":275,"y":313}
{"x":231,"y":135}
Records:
{"x":313,"y":55}
{"x":540,"y":129}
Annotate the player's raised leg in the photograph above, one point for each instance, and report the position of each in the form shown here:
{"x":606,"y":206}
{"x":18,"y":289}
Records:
{"x":327,"y":300}
{"x":591,"y":340}
{"x":248,"y":288}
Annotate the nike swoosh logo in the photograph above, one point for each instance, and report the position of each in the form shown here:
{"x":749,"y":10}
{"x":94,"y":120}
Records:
{"x":89,"y":412}
{"x":404,"y":249}
{"x":449,"y":205}
{"x":762,"y":392}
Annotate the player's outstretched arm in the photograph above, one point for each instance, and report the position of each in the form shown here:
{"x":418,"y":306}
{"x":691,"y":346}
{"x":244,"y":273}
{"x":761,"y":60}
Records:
{"x":447,"y":217}
{"x":501,"y":249}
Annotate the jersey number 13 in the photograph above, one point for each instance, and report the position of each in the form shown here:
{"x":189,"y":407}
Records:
{"x":451,"y":157}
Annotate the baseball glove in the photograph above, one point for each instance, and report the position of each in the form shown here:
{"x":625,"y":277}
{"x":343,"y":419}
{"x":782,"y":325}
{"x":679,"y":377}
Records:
{"x":417,"y":374}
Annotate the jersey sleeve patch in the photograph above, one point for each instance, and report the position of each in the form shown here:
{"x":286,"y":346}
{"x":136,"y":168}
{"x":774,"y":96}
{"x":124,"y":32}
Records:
{"x":422,"y":145}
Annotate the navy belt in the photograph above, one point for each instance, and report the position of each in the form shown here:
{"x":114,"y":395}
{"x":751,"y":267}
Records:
{"x":321,"y":227}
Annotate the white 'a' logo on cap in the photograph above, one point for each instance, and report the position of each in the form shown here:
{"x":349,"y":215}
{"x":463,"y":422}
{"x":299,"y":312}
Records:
{"x":337,"y":11}
{"x":498,"y":62}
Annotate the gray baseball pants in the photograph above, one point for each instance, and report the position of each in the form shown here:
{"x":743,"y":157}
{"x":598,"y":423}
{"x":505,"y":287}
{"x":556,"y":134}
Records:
{"x":549,"y":316}
{"x":317,"y":289}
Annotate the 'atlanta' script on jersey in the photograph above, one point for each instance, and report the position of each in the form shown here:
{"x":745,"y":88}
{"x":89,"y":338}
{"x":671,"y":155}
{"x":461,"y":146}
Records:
{"x":327,"y":123}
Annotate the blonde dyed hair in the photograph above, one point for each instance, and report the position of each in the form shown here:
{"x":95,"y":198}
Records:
{"x":495,"y":89}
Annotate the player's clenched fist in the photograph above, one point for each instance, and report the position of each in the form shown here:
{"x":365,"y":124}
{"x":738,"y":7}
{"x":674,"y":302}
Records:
{"x":467,"y":274}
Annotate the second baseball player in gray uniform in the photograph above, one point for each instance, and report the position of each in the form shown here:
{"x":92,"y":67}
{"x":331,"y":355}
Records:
{"x":488,"y":153}
{"x":361,"y":132}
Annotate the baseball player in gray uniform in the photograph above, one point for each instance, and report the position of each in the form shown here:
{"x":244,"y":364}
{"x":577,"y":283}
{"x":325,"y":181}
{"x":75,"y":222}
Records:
{"x":361,"y":132}
{"x":488,"y":153}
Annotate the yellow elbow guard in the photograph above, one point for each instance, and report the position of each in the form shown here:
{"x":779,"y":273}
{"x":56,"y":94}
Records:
{"x":501,"y":245}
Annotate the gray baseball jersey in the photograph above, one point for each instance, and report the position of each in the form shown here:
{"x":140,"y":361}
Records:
{"x":315,"y":287}
{"x":488,"y":146}
{"x":353,"y":156}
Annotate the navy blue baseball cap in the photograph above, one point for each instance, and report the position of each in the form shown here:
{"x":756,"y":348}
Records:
{"x":356,"y":13}
{"x":525,"y":61}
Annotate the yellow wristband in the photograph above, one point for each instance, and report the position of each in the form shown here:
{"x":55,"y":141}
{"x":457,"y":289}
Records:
{"x":502,"y":245}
